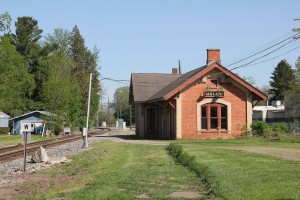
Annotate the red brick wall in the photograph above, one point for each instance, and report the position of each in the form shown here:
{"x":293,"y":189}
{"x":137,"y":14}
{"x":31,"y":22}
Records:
{"x":194,"y":94}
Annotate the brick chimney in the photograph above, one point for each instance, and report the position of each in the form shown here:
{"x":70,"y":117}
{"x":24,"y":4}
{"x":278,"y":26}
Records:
{"x":213,"y":55}
{"x":174,"y":70}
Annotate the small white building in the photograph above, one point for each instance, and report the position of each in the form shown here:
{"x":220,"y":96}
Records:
{"x":273,"y":113}
{"x":4,"y":118}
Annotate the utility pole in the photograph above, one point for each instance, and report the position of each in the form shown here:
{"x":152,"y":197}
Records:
{"x":108,"y":111}
{"x":86,"y":145}
{"x":130,"y":118}
{"x":296,"y":30}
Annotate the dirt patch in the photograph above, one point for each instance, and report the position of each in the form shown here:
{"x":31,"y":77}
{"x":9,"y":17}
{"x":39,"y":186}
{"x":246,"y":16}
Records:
{"x":283,"y":153}
{"x":24,"y":185}
{"x":143,"y":196}
{"x":186,"y":194}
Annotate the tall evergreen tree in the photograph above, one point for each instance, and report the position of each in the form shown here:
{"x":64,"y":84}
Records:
{"x":27,"y":36}
{"x":292,"y":103}
{"x":283,"y":80}
{"x":26,"y":40}
{"x":85,"y":63}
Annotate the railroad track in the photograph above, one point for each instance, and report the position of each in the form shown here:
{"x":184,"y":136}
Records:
{"x":17,"y":151}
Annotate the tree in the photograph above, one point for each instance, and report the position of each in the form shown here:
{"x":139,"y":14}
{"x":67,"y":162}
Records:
{"x":297,"y":70}
{"x":16,"y":84}
{"x":27,"y":35}
{"x":249,"y":79}
{"x":121,"y":101}
{"x":60,"y":38}
{"x":292,"y":100}
{"x":85,"y":62}
{"x":26,"y":40}
{"x":265,"y":89}
{"x":5,"y":22}
{"x":283,"y":80}
{"x":56,"y":90}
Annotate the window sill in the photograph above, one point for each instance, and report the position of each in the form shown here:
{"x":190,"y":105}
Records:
{"x":213,"y":131}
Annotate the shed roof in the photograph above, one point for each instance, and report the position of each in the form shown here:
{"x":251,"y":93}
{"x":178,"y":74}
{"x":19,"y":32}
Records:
{"x":2,"y":114}
{"x":41,"y":112}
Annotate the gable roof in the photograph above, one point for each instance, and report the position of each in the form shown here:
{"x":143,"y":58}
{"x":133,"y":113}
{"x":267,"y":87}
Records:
{"x":164,"y":86}
{"x":258,"y":95}
{"x":145,"y":85}
{"x":2,"y":114}
{"x":175,"y":84}
{"x":38,"y":111}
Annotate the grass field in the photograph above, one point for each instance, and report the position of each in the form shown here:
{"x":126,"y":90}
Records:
{"x":7,"y":140}
{"x":236,"y":174}
{"x":133,"y":171}
{"x":119,"y":171}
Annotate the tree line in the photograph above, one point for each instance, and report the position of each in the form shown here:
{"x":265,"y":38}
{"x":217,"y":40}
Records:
{"x":48,"y":73}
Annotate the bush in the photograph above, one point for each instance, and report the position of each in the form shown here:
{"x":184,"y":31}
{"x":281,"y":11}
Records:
{"x":260,"y":128}
{"x":280,"y":128}
{"x":4,"y":130}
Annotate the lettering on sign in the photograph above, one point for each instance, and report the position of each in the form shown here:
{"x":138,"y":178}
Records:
{"x":214,"y":94}
{"x":27,"y":127}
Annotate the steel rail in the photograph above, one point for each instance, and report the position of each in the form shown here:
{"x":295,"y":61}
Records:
{"x":17,"y":151}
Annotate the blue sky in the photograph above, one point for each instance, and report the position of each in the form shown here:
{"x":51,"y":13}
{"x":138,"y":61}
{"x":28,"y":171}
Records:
{"x":150,"y":36}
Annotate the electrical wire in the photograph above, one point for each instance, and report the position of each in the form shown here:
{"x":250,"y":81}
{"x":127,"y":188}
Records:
{"x":263,"y":50}
{"x":148,"y":84}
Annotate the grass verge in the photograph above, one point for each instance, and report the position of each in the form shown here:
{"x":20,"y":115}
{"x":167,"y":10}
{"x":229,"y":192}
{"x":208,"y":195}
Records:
{"x":119,"y":171}
{"x":235,"y":174}
{"x":7,"y":140}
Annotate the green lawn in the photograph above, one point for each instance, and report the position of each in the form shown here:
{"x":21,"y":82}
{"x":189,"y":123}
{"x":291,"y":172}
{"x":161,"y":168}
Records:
{"x":119,"y":171}
{"x":7,"y":140}
{"x":237,"y":174}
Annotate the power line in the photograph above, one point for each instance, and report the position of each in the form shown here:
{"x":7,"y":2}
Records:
{"x":262,"y":56}
{"x":148,"y":84}
{"x":263,"y":50}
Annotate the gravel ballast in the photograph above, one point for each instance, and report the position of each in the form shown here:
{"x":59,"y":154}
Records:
{"x":65,"y":150}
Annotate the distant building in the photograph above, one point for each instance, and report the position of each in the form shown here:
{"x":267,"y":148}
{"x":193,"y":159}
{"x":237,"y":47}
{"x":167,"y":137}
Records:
{"x":35,"y":118}
{"x":207,"y":102}
{"x":270,"y":114}
{"x":4,"y":119}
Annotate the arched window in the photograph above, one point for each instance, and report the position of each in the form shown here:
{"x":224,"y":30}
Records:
{"x":214,"y":116}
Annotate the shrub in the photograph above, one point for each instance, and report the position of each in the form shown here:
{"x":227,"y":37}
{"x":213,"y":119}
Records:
{"x":260,"y":128}
{"x":4,"y":130}
{"x":280,"y":128}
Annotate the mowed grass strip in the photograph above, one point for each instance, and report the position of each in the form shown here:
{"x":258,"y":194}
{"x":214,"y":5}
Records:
{"x":7,"y":140}
{"x":242,"y":175}
{"x":121,"y":171}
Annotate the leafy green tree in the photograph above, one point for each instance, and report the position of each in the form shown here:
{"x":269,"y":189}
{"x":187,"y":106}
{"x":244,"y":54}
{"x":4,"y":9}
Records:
{"x":56,"y":90}
{"x":60,"y":38}
{"x":16,"y":84}
{"x":5,"y":22}
{"x":121,"y":101}
{"x":283,"y":80}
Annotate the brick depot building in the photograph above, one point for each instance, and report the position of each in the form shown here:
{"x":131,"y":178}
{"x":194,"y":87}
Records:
{"x":207,"y":102}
